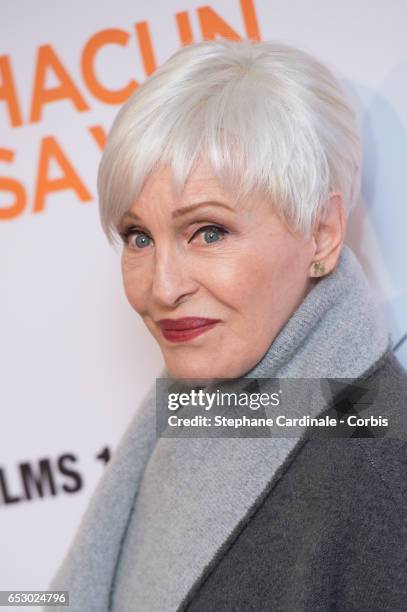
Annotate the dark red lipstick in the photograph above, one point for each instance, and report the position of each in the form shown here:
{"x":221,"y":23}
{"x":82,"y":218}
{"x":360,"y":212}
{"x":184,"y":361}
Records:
{"x":186,"y":328}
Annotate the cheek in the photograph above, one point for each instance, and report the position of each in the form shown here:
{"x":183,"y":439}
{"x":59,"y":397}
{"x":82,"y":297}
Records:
{"x":135,"y":285}
{"x":240,"y":281}
{"x":269,"y":284}
{"x":281,"y":282}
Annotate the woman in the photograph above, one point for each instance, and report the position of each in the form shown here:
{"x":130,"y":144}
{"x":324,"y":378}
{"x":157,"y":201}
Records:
{"x":229,"y":176}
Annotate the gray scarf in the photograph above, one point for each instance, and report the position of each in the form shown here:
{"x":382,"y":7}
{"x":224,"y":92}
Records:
{"x":164,"y":506}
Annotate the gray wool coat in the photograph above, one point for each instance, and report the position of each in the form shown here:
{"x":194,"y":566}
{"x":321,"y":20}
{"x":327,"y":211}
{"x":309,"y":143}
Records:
{"x":329,"y":532}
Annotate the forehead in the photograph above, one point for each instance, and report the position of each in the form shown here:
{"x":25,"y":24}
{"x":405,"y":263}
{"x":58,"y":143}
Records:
{"x":202,"y":185}
{"x":200,"y":182}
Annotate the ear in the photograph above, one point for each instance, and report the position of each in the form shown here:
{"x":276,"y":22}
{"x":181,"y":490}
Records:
{"x":328,"y":236}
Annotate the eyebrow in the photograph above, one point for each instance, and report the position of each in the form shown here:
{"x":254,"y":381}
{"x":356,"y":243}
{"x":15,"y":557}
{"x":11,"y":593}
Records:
{"x":178,"y":212}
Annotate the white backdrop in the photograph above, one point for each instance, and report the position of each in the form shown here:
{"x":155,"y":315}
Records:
{"x":75,"y":359}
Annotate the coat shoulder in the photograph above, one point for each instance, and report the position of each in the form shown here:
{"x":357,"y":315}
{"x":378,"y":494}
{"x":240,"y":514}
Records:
{"x":386,"y":454}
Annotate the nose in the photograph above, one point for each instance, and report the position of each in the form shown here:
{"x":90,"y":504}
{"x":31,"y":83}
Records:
{"x":171,"y":278}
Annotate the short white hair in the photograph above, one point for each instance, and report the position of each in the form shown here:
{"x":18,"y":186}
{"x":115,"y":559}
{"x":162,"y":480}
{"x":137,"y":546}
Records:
{"x":269,"y":119}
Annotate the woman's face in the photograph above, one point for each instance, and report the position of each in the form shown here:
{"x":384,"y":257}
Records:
{"x":236,"y":264}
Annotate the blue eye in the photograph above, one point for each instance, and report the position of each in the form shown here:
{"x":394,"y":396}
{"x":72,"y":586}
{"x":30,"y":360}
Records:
{"x":142,"y":240}
{"x":211,"y":233}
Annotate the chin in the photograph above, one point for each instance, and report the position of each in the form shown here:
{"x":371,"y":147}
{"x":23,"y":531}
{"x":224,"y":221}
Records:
{"x":196,"y":370}
{"x":207,"y":371}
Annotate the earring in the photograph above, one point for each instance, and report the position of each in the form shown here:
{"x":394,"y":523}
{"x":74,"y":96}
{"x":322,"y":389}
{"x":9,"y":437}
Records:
{"x":318,"y":268}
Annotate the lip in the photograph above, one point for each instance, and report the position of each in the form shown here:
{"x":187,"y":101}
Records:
{"x":185,"y":323}
{"x":186,"y":328}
